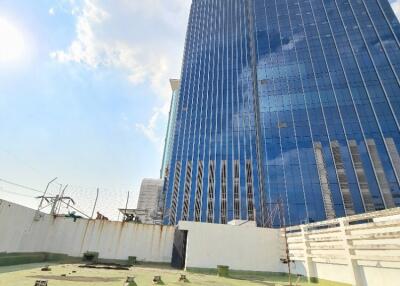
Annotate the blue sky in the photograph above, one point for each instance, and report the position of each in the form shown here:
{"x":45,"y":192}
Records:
{"x":84,"y":94}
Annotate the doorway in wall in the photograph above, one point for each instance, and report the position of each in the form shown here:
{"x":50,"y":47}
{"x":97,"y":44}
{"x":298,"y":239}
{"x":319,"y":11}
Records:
{"x":179,"y":249}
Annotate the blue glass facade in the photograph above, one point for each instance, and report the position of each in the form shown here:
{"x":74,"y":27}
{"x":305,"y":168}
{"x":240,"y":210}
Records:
{"x":169,"y":136}
{"x":286,"y":101}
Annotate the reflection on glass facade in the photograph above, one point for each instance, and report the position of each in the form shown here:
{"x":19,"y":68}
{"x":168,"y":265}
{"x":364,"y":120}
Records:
{"x":169,"y":137}
{"x":286,"y":102}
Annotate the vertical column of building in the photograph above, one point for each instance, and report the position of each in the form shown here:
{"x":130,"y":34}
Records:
{"x":169,"y":181}
{"x":191,"y":110}
{"x":264,"y":56}
{"x":194,"y":137}
{"x":254,"y":167}
{"x":237,"y":117}
{"x":207,"y":206}
{"x":350,"y":180}
{"x":293,"y":201}
{"x":262,"y":42}
{"x":322,"y":86}
{"x":231,"y":86}
{"x":202,"y":173}
{"x":281,"y":147}
{"x":226,"y":126}
{"x":347,"y":96}
{"x":336,"y":55}
{"x":201,"y":114}
{"x":334,"y":129}
{"x":220,"y":139}
{"x":302,"y":77}
{"x":246,"y":94}
{"x":240,"y":175}
{"x":291,"y":126}
{"x":386,"y":61}
{"x":249,"y":191}
{"x":370,"y":59}
{"x":332,"y":199}
{"x":209,"y":166}
{"x":175,"y":165}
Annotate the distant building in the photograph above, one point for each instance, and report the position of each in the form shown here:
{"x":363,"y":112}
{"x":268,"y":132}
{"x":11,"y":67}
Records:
{"x":149,"y":205}
{"x":169,"y":137}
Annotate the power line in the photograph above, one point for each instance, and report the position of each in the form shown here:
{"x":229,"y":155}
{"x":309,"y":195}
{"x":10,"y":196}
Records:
{"x":19,"y":185}
{"x":84,"y":193}
{"x":15,"y":193}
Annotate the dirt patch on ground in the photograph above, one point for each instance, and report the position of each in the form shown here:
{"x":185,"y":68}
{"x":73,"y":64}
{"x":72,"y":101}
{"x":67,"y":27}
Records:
{"x":77,"y":278}
{"x":105,"y":266}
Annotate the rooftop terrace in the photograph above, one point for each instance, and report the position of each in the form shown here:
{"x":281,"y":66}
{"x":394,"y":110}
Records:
{"x":27,"y":274}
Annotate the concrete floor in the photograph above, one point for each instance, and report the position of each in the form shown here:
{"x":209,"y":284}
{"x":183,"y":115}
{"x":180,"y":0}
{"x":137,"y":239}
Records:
{"x":26,"y":275}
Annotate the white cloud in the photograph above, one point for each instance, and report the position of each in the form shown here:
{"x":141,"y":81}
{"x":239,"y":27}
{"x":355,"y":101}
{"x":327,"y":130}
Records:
{"x":86,"y":48}
{"x":51,"y":11}
{"x":149,"y":130}
{"x":143,"y":38}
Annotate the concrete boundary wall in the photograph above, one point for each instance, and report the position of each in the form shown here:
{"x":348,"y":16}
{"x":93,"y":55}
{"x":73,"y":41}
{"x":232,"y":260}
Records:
{"x":245,"y":248}
{"x":19,"y":232}
{"x":358,"y":250}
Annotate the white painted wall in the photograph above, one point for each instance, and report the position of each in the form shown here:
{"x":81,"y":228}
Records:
{"x":241,"y":248}
{"x":113,"y":240}
{"x":372,"y":275}
{"x":327,"y":271}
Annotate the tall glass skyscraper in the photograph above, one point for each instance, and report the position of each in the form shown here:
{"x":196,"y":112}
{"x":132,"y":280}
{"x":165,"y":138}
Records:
{"x":286,"y":102}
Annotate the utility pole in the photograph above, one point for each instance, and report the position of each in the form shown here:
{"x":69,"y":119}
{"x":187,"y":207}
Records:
{"x":277,"y":209}
{"x":126,"y":207}
{"x":37,"y":214}
{"x":283,"y":223}
{"x":56,"y":201}
{"x":57,"y":204}
{"x":95,"y":202}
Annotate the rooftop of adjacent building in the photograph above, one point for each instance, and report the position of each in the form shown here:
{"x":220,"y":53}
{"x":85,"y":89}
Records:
{"x":174,"y":84}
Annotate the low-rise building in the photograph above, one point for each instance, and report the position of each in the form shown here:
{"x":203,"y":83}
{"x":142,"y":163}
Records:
{"x":150,"y":201}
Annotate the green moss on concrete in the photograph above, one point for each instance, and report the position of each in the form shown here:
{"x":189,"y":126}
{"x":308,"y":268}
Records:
{"x":267,"y":277}
{"x":91,"y":256}
{"x":317,"y":281}
{"x":206,"y":271}
{"x":213,"y":271}
{"x":149,"y":264}
{"x":18,"y":258}
{"x":223,"y":270}
{"x":7,"y":259}
{"x":131,"y":260}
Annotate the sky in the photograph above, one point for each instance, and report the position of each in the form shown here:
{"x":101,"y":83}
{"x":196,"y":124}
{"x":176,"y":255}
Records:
{"x":84,"y":95}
